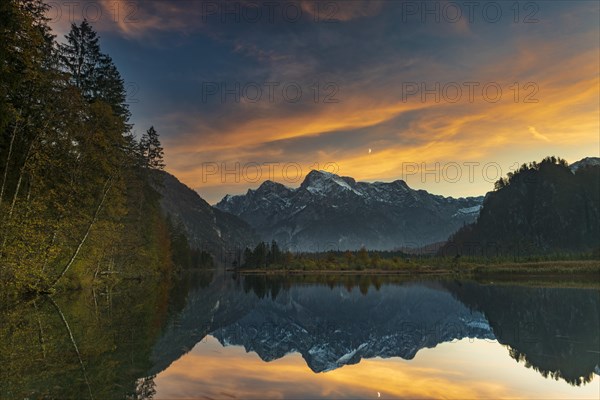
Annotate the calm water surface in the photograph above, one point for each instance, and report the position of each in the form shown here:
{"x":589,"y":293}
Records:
{"x":308,"y":337}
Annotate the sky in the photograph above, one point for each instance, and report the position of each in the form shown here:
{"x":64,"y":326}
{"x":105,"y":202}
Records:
{"x":448,"y":96}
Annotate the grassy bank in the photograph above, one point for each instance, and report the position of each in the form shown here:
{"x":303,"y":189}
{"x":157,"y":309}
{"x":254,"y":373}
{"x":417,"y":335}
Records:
{"x":589,"y":268}
{"x":576,"y":274}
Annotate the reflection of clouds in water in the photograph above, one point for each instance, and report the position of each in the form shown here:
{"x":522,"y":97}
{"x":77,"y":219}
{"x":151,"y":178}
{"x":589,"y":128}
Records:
{"x":452,"y":370}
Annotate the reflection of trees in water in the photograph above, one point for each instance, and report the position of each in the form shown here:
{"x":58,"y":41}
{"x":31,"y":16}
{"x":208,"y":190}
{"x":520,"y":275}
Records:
{"x":87,"y":344}
{"x":554,"y":331}
{"x":183,"y":284}
{"x":547,"y":373}
{"x":264,"y":285}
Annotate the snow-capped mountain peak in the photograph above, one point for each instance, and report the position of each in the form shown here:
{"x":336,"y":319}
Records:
{"x":321,"y":183}
{"x":338,"y":212}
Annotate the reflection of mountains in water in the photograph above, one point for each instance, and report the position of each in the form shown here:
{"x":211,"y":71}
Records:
{"x":553,"y":330}
{"x":334,"y":327}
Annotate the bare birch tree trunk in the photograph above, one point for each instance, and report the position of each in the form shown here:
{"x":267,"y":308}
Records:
{"x":107,"y":187}
{"x":10,"y":148}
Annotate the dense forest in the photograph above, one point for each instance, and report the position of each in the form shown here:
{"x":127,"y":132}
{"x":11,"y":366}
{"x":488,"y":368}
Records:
{"x":543,"y":208}
{"x":271,"y":256}
{"x":76,"y":198}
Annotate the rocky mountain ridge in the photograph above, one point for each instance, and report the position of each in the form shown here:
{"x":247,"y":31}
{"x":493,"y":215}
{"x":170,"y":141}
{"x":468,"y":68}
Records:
{"x":331,"y":212}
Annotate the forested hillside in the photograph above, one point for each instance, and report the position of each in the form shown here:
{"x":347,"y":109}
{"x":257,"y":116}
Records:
{"x":543,"y":208}
{"x":75,"y":198}
{"x":206,"y":228}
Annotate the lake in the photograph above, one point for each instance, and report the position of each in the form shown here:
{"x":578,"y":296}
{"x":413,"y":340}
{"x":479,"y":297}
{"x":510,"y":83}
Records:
{"x":217,"y":335}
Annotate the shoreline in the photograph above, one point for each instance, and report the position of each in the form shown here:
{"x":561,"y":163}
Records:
{"x":530,"y":269}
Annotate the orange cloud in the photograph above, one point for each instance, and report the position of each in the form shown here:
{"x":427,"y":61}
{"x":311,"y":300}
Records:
{"x":561,"y":71}
{"x":564,"y":122}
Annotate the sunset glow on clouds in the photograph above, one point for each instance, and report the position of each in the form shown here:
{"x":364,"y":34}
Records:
{"x":373,"y":57}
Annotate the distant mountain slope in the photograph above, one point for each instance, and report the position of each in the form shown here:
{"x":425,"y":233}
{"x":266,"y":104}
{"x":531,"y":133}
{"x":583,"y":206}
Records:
{"x":332,"y":212}
{"x":586,"y":162}
{"x":545,"y":207}
{"x":207,"y":228}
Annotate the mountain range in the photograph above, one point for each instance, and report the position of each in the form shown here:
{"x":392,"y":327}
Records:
{"x":331,"y":212}
{"x":544,"y":206}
